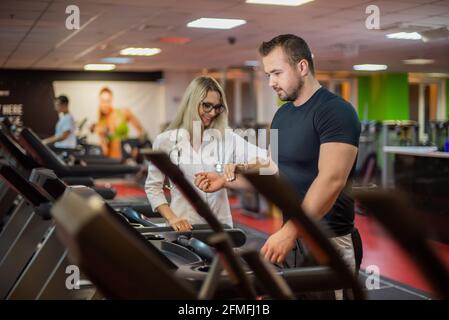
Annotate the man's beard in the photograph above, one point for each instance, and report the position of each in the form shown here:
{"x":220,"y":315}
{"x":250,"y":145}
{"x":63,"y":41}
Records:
{"x":293,"y":94}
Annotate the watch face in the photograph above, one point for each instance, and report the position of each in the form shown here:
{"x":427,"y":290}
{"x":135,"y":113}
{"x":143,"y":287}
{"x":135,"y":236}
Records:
{"x":218,"y":168}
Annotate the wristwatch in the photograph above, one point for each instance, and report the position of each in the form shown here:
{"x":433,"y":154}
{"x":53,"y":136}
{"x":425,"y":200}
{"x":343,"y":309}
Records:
{"x":219,"y":168}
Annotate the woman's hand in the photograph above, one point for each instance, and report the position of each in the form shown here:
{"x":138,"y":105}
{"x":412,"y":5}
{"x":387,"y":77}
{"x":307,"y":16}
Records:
{"x":180,"y":224}
{"x":209,"y":181}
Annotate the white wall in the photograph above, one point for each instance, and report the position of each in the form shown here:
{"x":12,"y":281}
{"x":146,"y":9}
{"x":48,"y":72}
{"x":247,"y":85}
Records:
{"x":266,"y":98}
{"x":175,"y":83}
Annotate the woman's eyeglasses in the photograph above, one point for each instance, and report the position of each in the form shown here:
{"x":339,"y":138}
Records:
{"x":207,"y":107}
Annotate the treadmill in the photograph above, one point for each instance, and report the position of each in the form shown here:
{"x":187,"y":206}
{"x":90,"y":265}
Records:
{"x":238,"y":280}
{"x":121,"y":250}
{"x":332,"y":267}
{"x":43,"y":276}
{"x":48,"y":159}
{"x":19,"y":158}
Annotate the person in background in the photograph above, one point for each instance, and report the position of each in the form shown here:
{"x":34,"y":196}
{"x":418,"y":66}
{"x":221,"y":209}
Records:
{"x":65,"y":131}
{"x":112,"y":126}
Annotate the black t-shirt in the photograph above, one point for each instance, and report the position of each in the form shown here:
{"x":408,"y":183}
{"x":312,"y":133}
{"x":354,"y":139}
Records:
{"x":325,"y":117}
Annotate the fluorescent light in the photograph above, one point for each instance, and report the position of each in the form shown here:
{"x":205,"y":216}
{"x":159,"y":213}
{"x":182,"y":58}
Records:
{"x":280,"y":2}
{"x":99,"y":67}
{"x":212,"y":23}
{"x":117,"y":60}
{"x":439,"y":75}
{"x":140,"y":51}
{"x":370,"y":67}
{"x":418,"y":61}
{"x":404,"y":36}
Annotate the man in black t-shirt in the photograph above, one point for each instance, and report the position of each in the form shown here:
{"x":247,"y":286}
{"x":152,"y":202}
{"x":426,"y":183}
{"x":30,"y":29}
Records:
{"x":318,"y":137}
{"x":318,"y":142}
{"x":302,"y":130}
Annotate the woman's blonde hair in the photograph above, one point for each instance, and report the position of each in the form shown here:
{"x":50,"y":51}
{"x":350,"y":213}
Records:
{"x":195,"y":93}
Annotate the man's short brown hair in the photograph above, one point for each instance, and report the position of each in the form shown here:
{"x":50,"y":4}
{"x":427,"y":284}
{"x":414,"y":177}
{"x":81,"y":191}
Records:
{"x":294,"y":47}
{"x":62,"y":100}
{"x":105,"y":89}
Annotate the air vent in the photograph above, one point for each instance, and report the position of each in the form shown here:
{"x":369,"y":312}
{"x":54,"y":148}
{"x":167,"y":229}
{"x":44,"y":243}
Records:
{"x":435,"y":34}
{"x":428,"y":32}
{"x":404,"y":27}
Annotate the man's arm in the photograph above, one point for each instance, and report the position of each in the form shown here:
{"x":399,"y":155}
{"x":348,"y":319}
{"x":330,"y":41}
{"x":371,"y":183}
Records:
{"x":235,"y":179}
{"x":57,"y":138}
{"x":334,"y":166}
{"x":231,"y":178}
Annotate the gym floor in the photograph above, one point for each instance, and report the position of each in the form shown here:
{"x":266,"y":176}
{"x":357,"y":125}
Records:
{"x":400,"y":280}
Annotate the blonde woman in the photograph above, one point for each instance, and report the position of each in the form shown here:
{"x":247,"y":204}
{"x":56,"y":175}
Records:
{"x":197,"y":141}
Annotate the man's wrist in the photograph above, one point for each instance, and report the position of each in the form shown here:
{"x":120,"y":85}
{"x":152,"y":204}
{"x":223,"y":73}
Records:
{"x":241,"y":168}
{"x":290,"y":230}
{"x":226,"y":183}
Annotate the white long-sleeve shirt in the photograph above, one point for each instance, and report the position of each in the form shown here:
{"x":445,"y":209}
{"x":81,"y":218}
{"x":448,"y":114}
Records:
{"x":213,"y":151}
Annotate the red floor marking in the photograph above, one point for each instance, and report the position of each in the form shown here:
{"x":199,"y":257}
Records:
{"x":381,"y":250}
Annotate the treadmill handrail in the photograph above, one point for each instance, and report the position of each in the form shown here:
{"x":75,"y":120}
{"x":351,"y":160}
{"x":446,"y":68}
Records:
{"x":46,"y":157}
{"x":22,"y":186}
{"x":39,"y":151}
{"x":16,"y":151}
